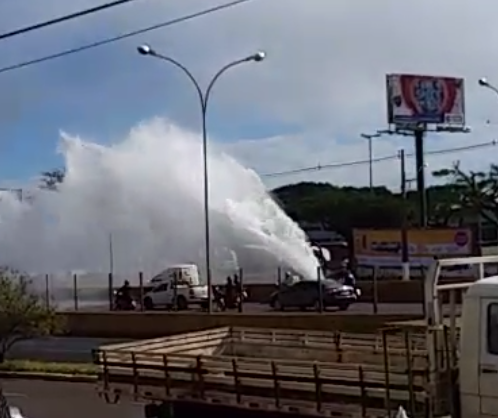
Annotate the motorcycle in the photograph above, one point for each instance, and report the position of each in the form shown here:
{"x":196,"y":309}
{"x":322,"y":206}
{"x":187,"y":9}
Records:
{"x":218,"y":300}
{"x":123,"y":302}
{"x":236,"y":300}
{"x":241,"y":297}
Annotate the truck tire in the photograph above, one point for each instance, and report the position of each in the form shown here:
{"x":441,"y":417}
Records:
{"x":148,"y":304}
{"x":343,"y":306}
{"x":181,"y":303}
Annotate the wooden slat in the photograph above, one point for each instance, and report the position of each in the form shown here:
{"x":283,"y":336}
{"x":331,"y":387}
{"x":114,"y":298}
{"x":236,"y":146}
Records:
{"x":170,"y":341}
{"x":274,"y":337}
{"x":266,"y":382}
{"x":296,"y":377}
{"x":223,"y":364}
{"x":309,"y":339}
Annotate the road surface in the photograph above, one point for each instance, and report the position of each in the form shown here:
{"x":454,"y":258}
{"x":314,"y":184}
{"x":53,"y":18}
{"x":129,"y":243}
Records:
{"x":64,"y":400}
{"x":64,"y":349}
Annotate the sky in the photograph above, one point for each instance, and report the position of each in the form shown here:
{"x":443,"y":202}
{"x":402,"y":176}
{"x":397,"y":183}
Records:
{"x":321,"y":85}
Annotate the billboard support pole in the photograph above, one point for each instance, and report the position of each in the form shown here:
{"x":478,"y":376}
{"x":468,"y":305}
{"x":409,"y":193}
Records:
{"x":420,"y":167}
{"x":405,"y":263}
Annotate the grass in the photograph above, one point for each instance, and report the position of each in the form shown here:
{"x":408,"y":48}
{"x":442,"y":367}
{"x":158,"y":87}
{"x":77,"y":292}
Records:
{"x":42,"y":367}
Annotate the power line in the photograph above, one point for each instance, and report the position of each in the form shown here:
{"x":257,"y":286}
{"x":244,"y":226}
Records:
{"x":377,"y":160}
{"x":124,"y":36}
{"x":64,"y":18}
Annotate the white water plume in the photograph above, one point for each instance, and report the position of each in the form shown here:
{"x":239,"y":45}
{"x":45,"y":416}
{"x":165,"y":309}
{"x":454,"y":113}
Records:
{"x":146,"y":193}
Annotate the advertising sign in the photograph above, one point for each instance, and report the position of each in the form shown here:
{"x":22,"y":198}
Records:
{"x":381,"y":248}
{"x":420,"y":99}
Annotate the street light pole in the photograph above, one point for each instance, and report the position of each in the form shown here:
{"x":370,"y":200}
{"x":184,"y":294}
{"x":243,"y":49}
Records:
{"x":370,"y":156}
{"x":483,"y":82}
{"x":204,"y":100}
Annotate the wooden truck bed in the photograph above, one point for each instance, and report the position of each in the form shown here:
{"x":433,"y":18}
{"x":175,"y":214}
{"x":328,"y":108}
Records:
{"x":313,"y":373}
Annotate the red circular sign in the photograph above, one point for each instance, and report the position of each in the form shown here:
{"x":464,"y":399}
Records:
{"x":428,"y":95}
{"x":461,"y":238}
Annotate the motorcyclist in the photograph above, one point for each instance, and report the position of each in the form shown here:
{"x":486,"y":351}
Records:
{"x":288,"y":278}
{"x":123,"y":295}
{"x":240,"y":293}
{"x":229,"y":292}
{"x":219,"y":298}
{"x":237,"y":284}
{"x":125,"y":290}
{"x":346,"y":275}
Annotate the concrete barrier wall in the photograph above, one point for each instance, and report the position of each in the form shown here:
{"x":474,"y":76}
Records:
{"x":156,"y":324}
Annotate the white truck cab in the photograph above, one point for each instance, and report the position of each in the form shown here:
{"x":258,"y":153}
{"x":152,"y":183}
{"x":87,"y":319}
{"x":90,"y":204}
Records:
{"x":476,"y":349}
{"x":178,"y":286}
{"x":479,"y":350}
{"x":188,"y":273}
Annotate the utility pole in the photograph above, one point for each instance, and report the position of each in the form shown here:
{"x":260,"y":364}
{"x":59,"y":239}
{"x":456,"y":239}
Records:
{"x":420,"y":167}
{"x":111,"y":253}
{"x":369,"y":138}
{"x":405,"y":262}
{"x":419,"y":134}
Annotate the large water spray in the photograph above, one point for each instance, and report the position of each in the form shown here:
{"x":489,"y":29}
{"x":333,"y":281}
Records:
{"x":143,"y":196}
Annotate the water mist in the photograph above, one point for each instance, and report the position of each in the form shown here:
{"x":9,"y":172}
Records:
{"x":146,"y":195}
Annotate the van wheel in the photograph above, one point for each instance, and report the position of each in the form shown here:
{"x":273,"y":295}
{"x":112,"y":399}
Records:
{"x":148,"y":304}
{"x":343,"y":306}
{"x":181,"y":303}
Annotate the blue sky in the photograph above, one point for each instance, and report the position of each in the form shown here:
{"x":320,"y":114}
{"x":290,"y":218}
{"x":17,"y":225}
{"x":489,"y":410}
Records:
{"x":320,"y":87}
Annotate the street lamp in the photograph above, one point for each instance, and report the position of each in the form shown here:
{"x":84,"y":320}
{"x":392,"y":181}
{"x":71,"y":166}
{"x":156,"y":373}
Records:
{"x":204,"y":100}
{"x":483,"y":82}
{"x":370,"y":155}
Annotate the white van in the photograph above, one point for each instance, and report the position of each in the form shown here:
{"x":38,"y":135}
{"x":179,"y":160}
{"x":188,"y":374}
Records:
{"x":185,"y":273}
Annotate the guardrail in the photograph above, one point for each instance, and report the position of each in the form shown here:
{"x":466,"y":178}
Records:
{"x":87,"y":291}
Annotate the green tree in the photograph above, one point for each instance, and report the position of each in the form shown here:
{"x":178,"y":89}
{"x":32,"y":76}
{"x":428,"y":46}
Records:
{"x":474,"y":193}
{"x":343,"y":208}
{"x":50,"y":180}
{"x":23,"y":315}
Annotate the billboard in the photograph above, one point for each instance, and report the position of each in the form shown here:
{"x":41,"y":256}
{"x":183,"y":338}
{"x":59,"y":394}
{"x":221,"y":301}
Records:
{"x":381,"y":248}
{"x":420,"y":99}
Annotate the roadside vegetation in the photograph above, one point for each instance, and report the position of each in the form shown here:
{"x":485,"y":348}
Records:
{"x":23,"y":315}
{"x":42,"y":367}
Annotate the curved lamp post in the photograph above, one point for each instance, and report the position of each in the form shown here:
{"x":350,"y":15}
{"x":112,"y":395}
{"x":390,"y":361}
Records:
{"x":483,"y":82}
{"x":204,"y":100}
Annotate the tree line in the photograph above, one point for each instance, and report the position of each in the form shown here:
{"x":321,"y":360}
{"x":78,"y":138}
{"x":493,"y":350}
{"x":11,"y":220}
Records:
{"x":462,"y":199}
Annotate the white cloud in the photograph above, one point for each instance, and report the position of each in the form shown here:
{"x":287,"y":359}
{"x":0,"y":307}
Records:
{"x":324,"y":74}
